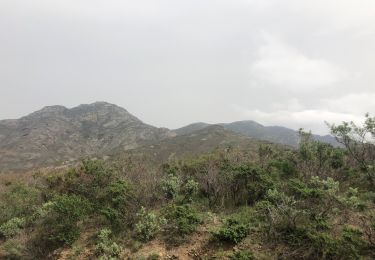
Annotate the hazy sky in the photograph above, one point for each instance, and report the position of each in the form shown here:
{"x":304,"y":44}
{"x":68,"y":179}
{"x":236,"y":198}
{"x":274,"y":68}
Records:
{"x":294,"y":63}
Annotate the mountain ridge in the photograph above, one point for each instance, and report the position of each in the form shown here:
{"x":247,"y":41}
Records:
{"x":250,"y":128}
{"x":55,"y":134}
{"x":60,"y":135}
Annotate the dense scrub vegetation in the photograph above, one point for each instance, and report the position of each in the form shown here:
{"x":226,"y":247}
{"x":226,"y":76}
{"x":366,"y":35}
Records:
{"x":314,"y":202}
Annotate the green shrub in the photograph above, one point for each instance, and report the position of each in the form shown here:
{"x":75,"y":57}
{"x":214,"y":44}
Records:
{"x":13,"y":249}
{"x":12,"y":227}
{"x":148,"y":225}
{"x":153,"y":256}
{"x":242,"y":255}
{"x":106,"y":249}
{"x":324,"y":245}
{"x":171,"y":186}
{"x":20,"y":201}
{"x":63,"y":218}
{"x":285,"y":167}
{"x":280,"y":214}
{"x":89,"y":180}
{"x":233,"y":231}
{"x":190,"y":189}
{"x":352,"y":242}
{"x":115,"y":202}
{"x":182,"y":220}
{"x":245,"y":183}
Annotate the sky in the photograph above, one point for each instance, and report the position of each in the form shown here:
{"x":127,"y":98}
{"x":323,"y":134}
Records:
{"x":291,"y":63}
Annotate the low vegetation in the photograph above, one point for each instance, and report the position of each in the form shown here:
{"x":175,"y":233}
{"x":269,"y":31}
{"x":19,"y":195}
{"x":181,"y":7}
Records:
{"x":314,"y":202}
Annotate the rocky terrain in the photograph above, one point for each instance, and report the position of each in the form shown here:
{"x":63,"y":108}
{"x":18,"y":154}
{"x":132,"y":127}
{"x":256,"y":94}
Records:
{"x":274,"y":134}
{"x":55,"y":134}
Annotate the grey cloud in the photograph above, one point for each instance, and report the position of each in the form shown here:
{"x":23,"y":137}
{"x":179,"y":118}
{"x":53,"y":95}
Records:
{"x":293,"y":63}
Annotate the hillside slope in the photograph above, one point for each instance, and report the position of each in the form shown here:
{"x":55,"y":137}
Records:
{"x":56,"y":134}
{"x":274,"y":134}
{"x":189,"y":145}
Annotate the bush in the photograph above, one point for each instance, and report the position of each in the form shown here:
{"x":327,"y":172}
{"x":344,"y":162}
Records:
{"x":352,"y":242}
{"x":285,"y":167}
{"x":13,"y":249}
{"x":248,"y":184}
{"x":20,"y":201}
{"x":63,"y":218}
{"x":233,"y":231}
{"x":153,"y":256}
{"x":107,"y":249}
{"x":12,"y":227}
{"x":182,"y":220}
{"x":190,"y":189}
{"x":242,"y":255}
{"x":148,"y":225}
{"x":171,"y":186}
{"x":280,"y":215}
{"x":115,"y":202}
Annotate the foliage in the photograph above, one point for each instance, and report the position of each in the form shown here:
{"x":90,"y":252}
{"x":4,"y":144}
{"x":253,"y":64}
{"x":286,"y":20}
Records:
{"x":62,"y":221}
{"x":148,"y":224}
{"x":12,"y":227}
{"x":115,"y":201}
{"x":181,"y":220}
{"x":242,"y":255}
{"x":233,"y":231}
{"x":190,"y":189}
{"x":106,"y":249}
{"x":20,"y":201}
{"x":171,"y":186}
{"x":13,"y":250}
{"x":280,"y":213}
{"x":360,"y":145}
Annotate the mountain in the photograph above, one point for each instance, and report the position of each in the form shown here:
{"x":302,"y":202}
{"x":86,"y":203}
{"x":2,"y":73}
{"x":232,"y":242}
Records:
{"x":188,"y":145}
{"x":274,"y":134}
{"x":56,"y":134}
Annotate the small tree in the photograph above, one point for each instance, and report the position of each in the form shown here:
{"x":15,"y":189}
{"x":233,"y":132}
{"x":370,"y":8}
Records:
{"x":360,"y":144}
{"x":106,"y":248}
{"x":171,"y":186}
{"x":148,"y":224}
{"x":317,"y":158}
{"x":62,"y":221}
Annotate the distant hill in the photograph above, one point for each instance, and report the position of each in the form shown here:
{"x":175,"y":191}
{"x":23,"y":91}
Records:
{"x":57,"y":134}
{"x":274,"y":134}
{"x":188,"y":145}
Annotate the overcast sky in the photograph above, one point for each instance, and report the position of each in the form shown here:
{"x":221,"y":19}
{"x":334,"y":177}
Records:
{"x":173,"y":62}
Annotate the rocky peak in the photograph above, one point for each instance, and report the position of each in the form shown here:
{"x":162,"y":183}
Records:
{"x":55,"y":134}
{"x":48,"y":111}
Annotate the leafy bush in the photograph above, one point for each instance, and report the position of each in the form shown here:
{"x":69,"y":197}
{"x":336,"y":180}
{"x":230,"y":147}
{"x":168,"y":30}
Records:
{"x":352,"y":242}
{"x":242,"y":255}
{"x":171,"y":186}
{"x":20,"y":201}
{"x":148,"y":225}
{"x":285,"y":167}
{"x":280,"y":213}
{"x":13,"y":249}
{"x":182,"y":220}
{"x":63,"y":218}
{"x":115,"y":202}
{"x":246,"y":184}
{"x":153,"y":256}
{"x":190,"y":189}
{"x":12,"y":227}
{"x":233,"y":231}
{"x":107,"y":249}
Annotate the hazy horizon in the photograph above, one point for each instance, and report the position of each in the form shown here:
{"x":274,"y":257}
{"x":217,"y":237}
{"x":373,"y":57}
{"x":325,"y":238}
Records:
{"x":171,"y":63}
